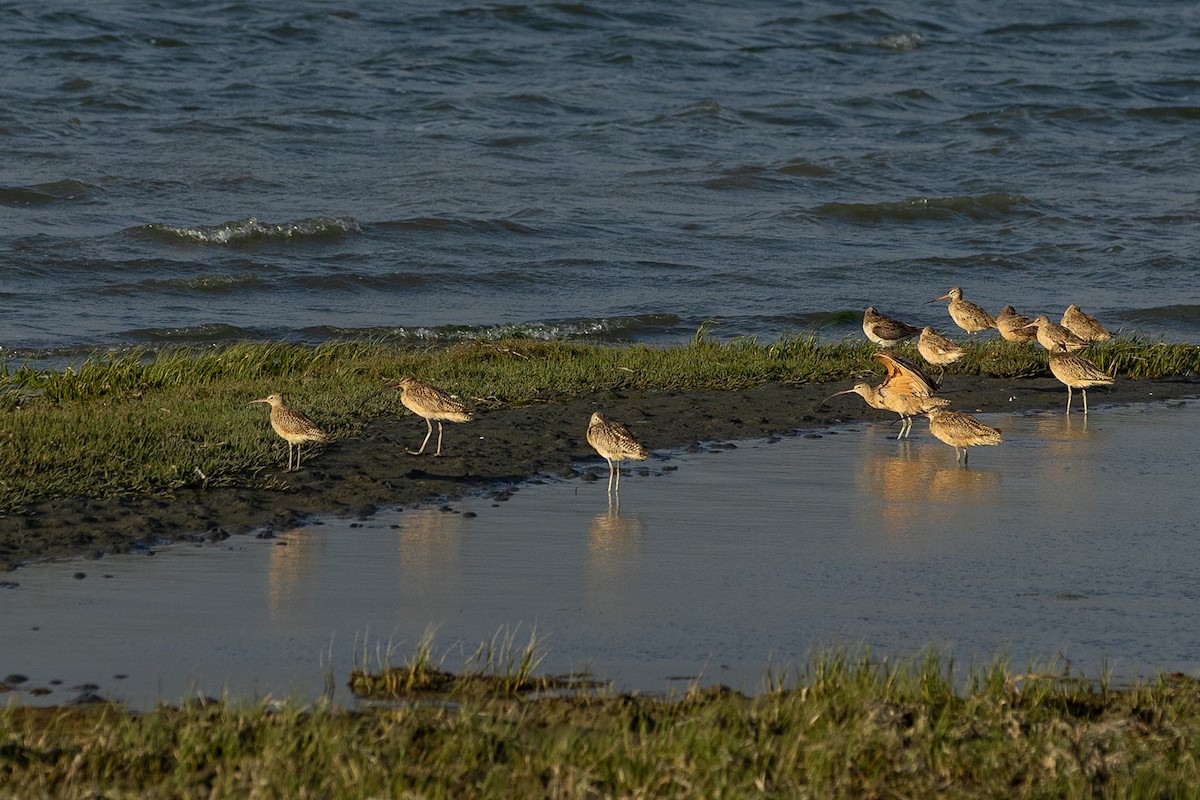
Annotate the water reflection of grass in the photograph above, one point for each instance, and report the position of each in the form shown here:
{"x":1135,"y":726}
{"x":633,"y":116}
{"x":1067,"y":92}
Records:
{"x":847,"y":725}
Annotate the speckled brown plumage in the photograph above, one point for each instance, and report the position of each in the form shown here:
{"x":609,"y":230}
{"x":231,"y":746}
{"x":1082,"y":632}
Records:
{"x":966,"y":315}
{"x":885,"y":331}
{"x":1051,"y":335}
{"x":1077,"y":372}
{"x":1014,"y":327}
{"x":432,"y":404}
{"x":1085,"y":326}
{"x":961,"y":431}
{"x":292,"y":425}
{"x":613,"y":441}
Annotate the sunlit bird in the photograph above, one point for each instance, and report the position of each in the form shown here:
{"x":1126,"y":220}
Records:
{"x":906,"y":390}
{"x":1014,"y":327}
{"x":432,"y":404}
{"x":961,"y":431}
{"x":1051,"y":335}
{"x":937,"y":349}
{"x":292,"y":425}
{"x":1085,"y":326}
{"x":1077,"y":372}
{"x":613,"y":441}
{"x":885,"y":331}
{"x":966,"y":315}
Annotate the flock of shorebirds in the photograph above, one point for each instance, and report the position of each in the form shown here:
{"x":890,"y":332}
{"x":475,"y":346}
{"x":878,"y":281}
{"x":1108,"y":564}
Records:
{"x":610,"y":439}
{"x":907,"y":389}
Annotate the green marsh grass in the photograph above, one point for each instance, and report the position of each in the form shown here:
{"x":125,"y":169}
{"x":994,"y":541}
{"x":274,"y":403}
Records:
{"x":848,"y":725}
{"x":145,"y":423}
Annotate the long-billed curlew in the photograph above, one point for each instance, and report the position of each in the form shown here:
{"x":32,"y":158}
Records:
{"x":937,"y":349}
{"x":1085,"y":326}
{"x":292,"y":425}
{"x":1014,"y":327}
{"x":961,"y":431}
{"x":433,"y":404}
{"x":906,"y":390}
{"x":1077,"y":372}
{"x":1051,"y":335}
{"x":613,"y":441}
{"x":966,"y":315}
{"x":886,"y":331}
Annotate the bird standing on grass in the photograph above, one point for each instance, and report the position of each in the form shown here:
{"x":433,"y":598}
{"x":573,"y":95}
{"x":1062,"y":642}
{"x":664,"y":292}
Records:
{"x":1051,"y":335}
{"x":886,"y":331}
{"x":1085,"y":326}
{"x":937,"y":349}
{"x":613,"y":441}
{"x":1014,"y":327}
{"x":966,"y":315}
{"x":292,"y":425}
{"x":431,"y":403}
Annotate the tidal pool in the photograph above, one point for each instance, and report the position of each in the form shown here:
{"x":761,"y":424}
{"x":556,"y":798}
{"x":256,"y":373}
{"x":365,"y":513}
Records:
{"x":1070,"y":540}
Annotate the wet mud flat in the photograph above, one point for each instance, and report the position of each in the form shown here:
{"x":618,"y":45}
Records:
{"x":494,"y":453}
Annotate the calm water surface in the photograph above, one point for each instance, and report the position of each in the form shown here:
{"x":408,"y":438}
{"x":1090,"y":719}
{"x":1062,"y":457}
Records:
{"x":1069,"y":540}
{"x":238,"y":170}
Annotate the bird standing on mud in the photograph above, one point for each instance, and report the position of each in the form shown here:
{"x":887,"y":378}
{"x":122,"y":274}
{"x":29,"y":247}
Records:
{"x":613,"y":441}
{"x":431,"y":403}
{"x":292,"y":425}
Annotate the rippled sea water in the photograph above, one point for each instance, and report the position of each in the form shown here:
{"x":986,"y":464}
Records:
{"x":243,"y":170}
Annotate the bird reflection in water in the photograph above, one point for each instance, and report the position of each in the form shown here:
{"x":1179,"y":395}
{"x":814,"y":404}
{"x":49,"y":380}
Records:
{"x":614,"y":548}
{"x":295,"y":560}
{"x":916,"y":482}
{"x":430,"y":544}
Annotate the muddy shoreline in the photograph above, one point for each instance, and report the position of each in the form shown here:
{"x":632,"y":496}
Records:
{"x":496,"y":452}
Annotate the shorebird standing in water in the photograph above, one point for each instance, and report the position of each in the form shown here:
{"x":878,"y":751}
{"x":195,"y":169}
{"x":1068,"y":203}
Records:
{"x":966,"y":315}
{"x":886,"y":331}
{"x":937,"y":349}
{"x":613,"y":441}
{"x":1085,"y":326}
{"x":292,"y":425}
{"x":1051,"y":335}
{"x":1014,"y":327}
{"x":961,"y":431}
{"x":1077,"y":372}
{"x":431,"y":403}
{"x":906,"y":390}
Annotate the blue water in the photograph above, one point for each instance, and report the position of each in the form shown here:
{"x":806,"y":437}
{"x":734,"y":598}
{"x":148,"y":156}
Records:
{"x":245,"y":170}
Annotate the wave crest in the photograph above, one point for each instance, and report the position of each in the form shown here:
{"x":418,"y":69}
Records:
{"x":251,"y":231}
{"x":975,"y":208}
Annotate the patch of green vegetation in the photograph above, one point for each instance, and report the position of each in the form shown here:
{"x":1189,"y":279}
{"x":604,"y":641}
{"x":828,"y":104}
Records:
{"x":145,"y":423}
{"x":846,"y":726}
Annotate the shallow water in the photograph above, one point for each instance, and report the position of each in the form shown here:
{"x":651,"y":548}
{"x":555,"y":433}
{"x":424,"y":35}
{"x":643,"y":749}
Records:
{"x":1070,"y":539}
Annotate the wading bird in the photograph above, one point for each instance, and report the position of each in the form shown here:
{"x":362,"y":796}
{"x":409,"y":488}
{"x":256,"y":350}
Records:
{"x":1085,"y":326}
{"x":1051,"y":335}
{"x":966,"y":315}
{"x":961,"y":431}
{"x":906,"y":390}
{"x":433,"y":404}
{"x":937,"y":349}
{"x":613,"y":441}
{"x":1014,"y":327}
{"x":292,"y":425}
{"x":886,"y":331}
{"x":1077,"y":372}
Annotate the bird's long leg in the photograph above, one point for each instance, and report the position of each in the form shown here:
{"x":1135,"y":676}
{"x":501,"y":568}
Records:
{"x":289,"y":466}
{"x":610,"y":473}
{"x":618,"y":471}
{"x":298,"y":449}
{"x":427,"y":435}
{"x":1068,"y":399}
{"x":439,"y":447}
{"x":1084,"y":401}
